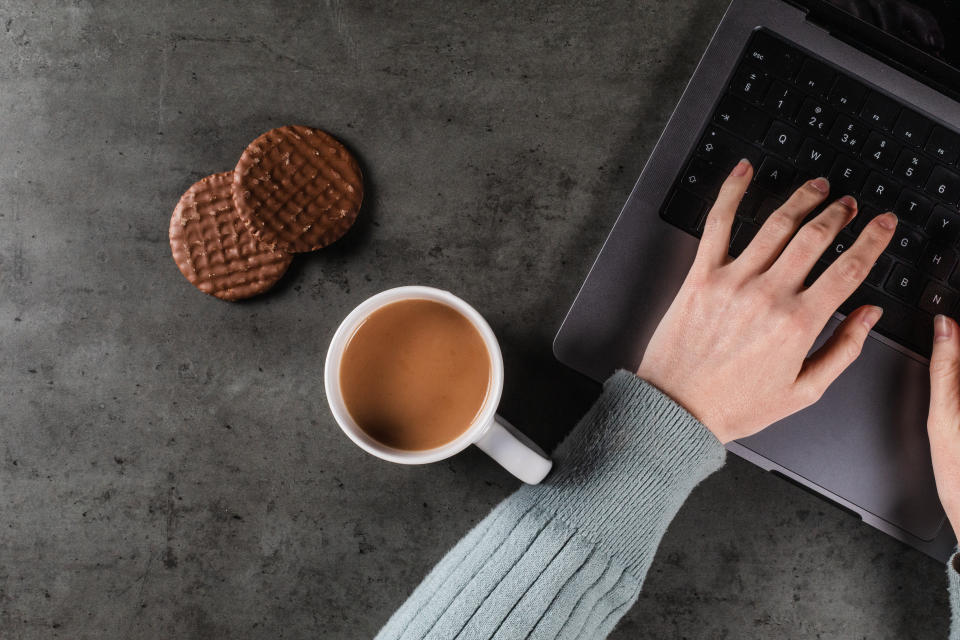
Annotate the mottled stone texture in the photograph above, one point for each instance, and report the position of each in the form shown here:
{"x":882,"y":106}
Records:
{"x":168,"y":468}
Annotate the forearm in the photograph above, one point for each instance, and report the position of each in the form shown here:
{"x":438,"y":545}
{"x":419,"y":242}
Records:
{"x":567,"y":558}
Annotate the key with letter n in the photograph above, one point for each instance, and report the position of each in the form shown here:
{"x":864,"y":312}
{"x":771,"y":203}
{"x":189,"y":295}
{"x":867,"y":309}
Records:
{"x":937,"y":298}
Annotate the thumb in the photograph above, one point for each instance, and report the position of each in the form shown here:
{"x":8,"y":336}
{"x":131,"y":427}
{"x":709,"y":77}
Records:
{"x":944,"y":372}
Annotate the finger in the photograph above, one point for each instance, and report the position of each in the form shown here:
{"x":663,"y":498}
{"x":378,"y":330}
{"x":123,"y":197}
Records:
{"x":824,"y":365}
{"x":715,"y":241}
{"x":852,"y":267}
{"x":781,"y":225}
{"x":813,"y":239}
{"x":944,"y":374}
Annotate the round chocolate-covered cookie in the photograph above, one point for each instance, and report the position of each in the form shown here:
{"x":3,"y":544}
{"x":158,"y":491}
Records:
{"x":297,"y":188}
{"x":215,"y":250}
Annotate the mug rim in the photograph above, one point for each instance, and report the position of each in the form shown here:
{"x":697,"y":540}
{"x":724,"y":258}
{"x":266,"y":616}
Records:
{"x":338,"y":344}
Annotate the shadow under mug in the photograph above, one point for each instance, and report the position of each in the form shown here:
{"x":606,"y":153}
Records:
{"x":494,"y":435}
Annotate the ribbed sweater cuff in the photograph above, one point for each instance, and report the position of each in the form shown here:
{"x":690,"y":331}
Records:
{"x":953,"y":580}
{"x":624,"y":471}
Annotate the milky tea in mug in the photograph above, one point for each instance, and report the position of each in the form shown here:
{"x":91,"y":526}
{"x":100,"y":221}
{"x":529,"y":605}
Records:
{"x":415,"y":374}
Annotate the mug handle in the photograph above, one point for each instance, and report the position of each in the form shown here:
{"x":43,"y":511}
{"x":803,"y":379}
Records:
{"x":515,"y":452}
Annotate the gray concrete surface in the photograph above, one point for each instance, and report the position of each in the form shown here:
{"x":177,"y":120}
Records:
{"x":168,"y":468}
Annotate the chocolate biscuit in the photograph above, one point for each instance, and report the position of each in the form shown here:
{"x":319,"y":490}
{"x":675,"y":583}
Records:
{"x":215,"y":250}
{"x":297,"y":188}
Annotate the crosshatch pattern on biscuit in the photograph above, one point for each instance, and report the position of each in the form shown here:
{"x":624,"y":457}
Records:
{"x":298,"y":188}
{"x":214,"y":250}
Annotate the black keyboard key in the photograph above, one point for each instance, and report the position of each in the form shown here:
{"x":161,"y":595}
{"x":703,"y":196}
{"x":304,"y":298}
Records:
{"x":879,"y":110}
{"x":742,"y":238}
{"x":816,"y":116}
{"x":880,"y":151}
{"x":902,"y":323}
{"x":773,"y":56}
{"x":782,"y":139}
{"x":938,"y":262}
{"x":912,"y":128}
{"x":815,"y":77}
{"x":944,"y":225}
{"x":741,"y":118}
{"x":848,"y":133}
{"x":703,"y":179}
{"x":846,"y":177}
{"x":944,"y":145}
{"x":913,"y":208}
{"x":748,"y":204}
{"x":912,"y":168}
{"x":815,"y":157}
{"x":865,"y":213}
{"x":954,"y":278}
{"x":818,"y":268}
{"x":847,"y":94}
{"x":944,"y":185}
{"x":750,"y":84}
{"x":775,"y":175}
{"x":906,"y":244}
{"x":782,"y":101}
{"x":724,"y":150}
{"x":685,"y":210}
{"x":840,"y":244}
{"x":936,"y":298}
{"x":881,"y":191}
{"x":767,"y":206}
{"x":878,"y":273}
{"x":899,"y":322}
{"x":904,"y":283}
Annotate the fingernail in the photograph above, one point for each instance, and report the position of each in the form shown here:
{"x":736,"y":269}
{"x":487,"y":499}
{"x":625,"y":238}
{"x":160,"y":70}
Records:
{"x":849,"y":202}
{"x":741,"y":168}
{"x":821,"y":184}
{"x":871,"y":315}
{"x":942,"y":328}
{"x":887,"y":220}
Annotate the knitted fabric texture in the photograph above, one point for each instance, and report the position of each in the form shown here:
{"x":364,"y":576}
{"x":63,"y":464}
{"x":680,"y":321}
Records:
{"x":567,"y":558}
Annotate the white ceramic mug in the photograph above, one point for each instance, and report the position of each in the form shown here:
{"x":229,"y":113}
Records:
{"x":517,"y":453}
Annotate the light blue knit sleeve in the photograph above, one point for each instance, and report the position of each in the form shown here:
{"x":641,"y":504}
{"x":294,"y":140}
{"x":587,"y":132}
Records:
{"x":567,"y":558}
{"x":953,"y":580}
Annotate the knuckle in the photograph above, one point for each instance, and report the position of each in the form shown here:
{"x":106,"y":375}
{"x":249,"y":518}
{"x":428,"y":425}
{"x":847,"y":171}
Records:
{"x":765,"y":295}
{"x":810,"y":393}
{"x":852,"y":269}
{"x":850,"y":348}
{"x":780,"y":223}
{"x":730,"y":186}
{"x":807,"y":196}
{"x":942,"y":366}
{"x":717,"y":217}
{"x":818,"y":232}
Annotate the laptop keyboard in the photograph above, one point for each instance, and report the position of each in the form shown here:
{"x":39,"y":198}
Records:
{"x":796,"y":117}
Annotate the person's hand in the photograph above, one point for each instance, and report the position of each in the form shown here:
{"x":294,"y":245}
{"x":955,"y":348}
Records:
{"x":943,"y":419}
{"x":732,"y":348}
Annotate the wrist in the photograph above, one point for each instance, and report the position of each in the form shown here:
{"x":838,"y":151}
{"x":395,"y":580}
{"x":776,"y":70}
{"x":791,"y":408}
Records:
{"x":711,"y":423}
{"x":632,"y":460}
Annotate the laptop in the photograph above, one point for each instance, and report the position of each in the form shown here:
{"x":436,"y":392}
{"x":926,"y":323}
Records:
{"x":867,"y":93}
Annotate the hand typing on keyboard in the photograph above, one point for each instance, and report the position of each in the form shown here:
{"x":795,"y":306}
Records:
{"x":796,"y":117}
{"x":732,"y":348}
